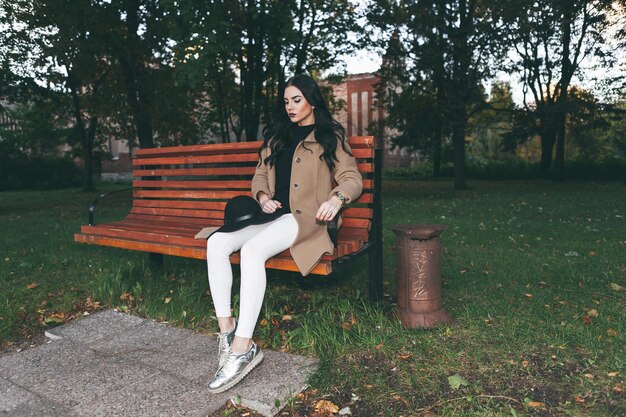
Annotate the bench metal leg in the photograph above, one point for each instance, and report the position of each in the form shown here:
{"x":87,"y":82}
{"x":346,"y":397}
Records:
{"x":376,"y":273}
{"x":155,"y":262}
{"x":376,"y":233}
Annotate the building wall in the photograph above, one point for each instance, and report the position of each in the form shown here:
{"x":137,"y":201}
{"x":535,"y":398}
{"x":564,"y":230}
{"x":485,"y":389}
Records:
{"x":362,"y":110}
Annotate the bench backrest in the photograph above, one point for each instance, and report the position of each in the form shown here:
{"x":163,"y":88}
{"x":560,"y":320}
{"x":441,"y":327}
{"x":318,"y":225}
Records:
{"x":191,"y":184}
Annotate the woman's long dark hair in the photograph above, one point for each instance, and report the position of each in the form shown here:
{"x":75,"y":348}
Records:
{"x":327,"y":129}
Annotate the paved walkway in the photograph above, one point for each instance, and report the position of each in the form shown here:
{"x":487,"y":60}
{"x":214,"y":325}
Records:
{"x":114,"y":364}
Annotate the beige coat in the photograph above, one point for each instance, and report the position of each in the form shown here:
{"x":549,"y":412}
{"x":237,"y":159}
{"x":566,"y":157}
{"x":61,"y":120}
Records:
{"x":311,"y":185}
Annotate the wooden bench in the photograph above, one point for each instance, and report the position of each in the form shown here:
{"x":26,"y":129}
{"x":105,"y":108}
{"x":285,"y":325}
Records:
{"x":179,"y":190}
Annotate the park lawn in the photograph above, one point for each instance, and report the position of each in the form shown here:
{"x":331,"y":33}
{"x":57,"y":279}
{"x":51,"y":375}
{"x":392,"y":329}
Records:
{"x":534,"y":273}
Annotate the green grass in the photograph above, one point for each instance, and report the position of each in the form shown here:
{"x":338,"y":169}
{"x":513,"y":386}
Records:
{"x":523,"y":264}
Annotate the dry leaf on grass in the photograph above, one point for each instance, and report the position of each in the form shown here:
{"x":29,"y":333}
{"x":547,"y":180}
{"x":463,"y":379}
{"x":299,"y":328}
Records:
{"x":32,"y":285}
{"x":326,"y":407}
{"x":534,"y":404}
{"x":55,"y":318}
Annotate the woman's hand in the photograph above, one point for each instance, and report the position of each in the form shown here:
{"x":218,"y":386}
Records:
{"x":267,"y":204}
{"x":328,"y":210}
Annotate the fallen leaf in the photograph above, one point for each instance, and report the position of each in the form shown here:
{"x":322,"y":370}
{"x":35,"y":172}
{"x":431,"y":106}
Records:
{"x":588,"y":376}
{"x":592,"y":253}
{"x":534,"y":404}
{"x":524,"y":364}
{"x":128,"y":296}
{"x":613,"y":374}
{"x":263,"y":323}
{"x":405,"y":356}
{"x":90,"y":303}
{"x":167,"y":300}
{"x":33,"y":285}
{"x":456,"y":381}
{"x":612,"y":332}
{"x":287,"y":317}
{"x":617,"y":287}
{"x":529,"y":295}
{"x":579,"y":399}
{"x":326,"y":407}
{"x":379,"y":346}
{"x":55,"y":318}
{"x":592,"y":313}
{"x":618,"y":388}
{"x":587,"y":320}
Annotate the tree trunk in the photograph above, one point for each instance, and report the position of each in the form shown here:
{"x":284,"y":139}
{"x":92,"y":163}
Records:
{"x":458,"y":148}
{"x":548,"y":137}
{"x":86,"y":146}
{"x":559,"y":163}
{"x":130,"y":63}
{"x":437,"y":151}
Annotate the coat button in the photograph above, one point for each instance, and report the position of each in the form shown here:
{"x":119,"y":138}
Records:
{"x":296,"y":186}
{"x":298,"y":211}
{"x":298,"y":159}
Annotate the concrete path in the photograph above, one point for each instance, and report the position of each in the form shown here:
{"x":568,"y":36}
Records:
{"x":114,"y":364}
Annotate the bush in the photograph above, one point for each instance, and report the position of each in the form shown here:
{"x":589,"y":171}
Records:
{"x":21,"y":172}
{"x":606,"y":170}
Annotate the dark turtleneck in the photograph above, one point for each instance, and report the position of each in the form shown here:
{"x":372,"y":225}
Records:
{"x":284,"y":162}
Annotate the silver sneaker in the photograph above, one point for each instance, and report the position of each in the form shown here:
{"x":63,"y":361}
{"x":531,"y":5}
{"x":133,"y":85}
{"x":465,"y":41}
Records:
{"x":235,"y":368}
{"x":224,"y":340}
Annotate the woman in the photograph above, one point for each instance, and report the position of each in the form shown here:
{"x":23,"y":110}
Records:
{"x":302,"y":154}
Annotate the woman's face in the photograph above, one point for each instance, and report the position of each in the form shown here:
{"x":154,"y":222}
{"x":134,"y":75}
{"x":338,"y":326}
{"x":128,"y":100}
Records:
{"x":298,"y":109}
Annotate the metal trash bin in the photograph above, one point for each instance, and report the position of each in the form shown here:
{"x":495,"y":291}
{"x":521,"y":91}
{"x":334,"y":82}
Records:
{"x":418,"y":275}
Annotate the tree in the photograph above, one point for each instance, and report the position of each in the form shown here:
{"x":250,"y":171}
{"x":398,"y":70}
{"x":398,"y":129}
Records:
{"x":551,"y":39}
{"x":242,"y":52}
{"x":449,"y":47}
{"x":62,"y":43}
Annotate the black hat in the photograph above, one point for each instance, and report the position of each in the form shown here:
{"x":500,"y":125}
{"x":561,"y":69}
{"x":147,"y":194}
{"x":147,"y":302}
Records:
{"x":242,"y":211}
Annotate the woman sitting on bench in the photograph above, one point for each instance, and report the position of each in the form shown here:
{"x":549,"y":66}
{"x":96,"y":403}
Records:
{"x":304,"y":151}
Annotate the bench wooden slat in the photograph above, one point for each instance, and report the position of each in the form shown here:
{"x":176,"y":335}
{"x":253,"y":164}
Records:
{"x":323,"y":268}
{"x":197,"y":184}
{"x":192,"y":160}
{"x":209,"y":149}
{"x":220,"y":159}
{"x":211,"y":184}
{"x":364,"y":213}
{"x":222,"y":194}
{"x":356,"y":142}
{"x":232,"y":171}
{"x":176,"y":220}
{"x":208,"y":205}
{"x":205,"y":214}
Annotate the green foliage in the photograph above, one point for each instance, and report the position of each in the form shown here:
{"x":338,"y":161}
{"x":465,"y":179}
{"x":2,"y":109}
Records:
{"x":23,"y":172}
{"x":613,"y":169}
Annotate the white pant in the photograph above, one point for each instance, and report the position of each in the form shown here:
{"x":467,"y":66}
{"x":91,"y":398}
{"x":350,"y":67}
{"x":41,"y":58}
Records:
{"x":257,"y":243}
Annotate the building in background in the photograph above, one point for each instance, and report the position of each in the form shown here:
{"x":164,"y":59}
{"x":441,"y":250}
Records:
{"x":361,"y":113}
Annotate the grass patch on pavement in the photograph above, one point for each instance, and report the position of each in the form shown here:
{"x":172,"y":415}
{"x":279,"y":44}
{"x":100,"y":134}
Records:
{"x":534,"y":273}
